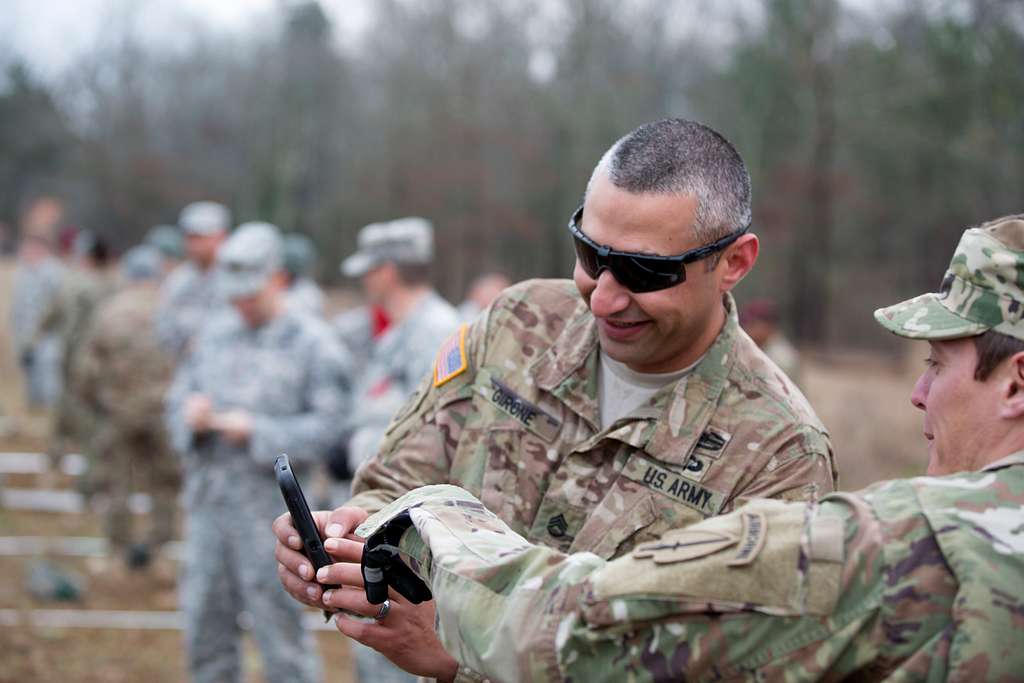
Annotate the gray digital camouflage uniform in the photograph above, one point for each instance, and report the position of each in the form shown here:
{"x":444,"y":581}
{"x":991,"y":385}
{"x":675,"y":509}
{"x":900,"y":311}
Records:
{"x":291,"y":376}
{"x":33,"y":291}
{"x":400,"y":358}
{"x":188,"y":297}
{"x":306,"y":296}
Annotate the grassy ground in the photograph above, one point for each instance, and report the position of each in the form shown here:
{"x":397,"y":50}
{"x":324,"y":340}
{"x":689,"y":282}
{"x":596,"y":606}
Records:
{"x":863,"y":400}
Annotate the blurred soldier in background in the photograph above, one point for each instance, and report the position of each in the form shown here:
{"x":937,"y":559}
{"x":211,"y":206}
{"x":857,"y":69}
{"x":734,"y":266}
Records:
{"x":261,"y":380}
{"x":760,"y":319}
{"x":124,"y":374}
{"x":357,"y":328}
{"x":483,"y":290}
{"x":189,"y":295}
{"x":393,"y":262}
{"x":410,"y":320}
{"x":37,"y":278}
{"x":299,"y":260}
{"x":85,"y":284}
{"x":167,"y":239}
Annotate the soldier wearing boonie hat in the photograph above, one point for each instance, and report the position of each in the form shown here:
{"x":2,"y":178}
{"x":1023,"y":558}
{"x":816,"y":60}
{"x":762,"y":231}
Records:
{"x":262,"y":379}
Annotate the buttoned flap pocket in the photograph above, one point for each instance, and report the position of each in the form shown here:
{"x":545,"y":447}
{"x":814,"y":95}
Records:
{"x":755,"y":559}
{"x":621,"y":517}
{"x":496,"y":450}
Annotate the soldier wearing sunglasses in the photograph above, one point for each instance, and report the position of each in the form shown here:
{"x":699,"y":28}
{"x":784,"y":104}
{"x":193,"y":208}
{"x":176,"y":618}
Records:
{"x":598,"y":414}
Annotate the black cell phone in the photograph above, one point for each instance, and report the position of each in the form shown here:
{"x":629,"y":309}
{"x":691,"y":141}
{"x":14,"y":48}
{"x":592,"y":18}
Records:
{"x":302,"y":518}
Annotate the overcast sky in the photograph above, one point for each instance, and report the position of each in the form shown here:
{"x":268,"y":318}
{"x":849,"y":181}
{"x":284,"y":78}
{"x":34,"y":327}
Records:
{"x":50,"y":34}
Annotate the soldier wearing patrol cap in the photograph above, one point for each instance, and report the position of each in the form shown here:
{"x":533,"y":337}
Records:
{"x":261,"y":380}
{"x":190,"y":295}
{"x":918,"y":579}
{"x":598,"y":414}
{"x":393,"y":263}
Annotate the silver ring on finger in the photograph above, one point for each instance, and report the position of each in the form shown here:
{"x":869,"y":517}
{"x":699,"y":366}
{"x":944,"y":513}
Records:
{"x":384,"y":609}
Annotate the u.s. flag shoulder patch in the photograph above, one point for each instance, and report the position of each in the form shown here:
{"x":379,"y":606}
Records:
{"x":451,"y":358}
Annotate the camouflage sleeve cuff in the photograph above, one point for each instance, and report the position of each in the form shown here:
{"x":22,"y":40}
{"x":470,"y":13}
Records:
{"x":467,"y":675}
{"x":415,"y":553}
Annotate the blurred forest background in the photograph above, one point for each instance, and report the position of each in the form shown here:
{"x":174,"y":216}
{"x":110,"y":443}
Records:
{"x":875,"y":132}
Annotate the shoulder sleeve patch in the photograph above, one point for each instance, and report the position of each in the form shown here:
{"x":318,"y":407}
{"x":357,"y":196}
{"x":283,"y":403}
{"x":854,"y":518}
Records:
{"x":451,"y":358}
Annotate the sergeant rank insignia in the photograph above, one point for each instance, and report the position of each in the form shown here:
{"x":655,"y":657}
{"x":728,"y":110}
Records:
{"x":451,"y":358}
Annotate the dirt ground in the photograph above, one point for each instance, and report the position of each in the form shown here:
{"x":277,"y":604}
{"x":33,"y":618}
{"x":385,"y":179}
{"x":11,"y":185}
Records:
{"x":862,"y":399}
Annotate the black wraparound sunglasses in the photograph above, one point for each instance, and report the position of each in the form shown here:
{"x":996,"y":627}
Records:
{"x":640,"y":272}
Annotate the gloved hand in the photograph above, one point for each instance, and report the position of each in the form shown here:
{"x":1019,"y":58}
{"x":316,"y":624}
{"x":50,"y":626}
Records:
{"x":382,"y":566}
{"x":28,"y":357}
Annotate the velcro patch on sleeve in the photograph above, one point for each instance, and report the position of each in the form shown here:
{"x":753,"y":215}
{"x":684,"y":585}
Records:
{"x":451,"y":358}
{"x":828,"y":539}
{"x":682,"y":545}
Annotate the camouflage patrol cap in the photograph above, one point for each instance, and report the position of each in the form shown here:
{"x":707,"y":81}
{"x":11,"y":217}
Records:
{"x":249,"y":258}
{"x":404,"y":240}
{"x":982,"y":290}
{"x":204,"y":218}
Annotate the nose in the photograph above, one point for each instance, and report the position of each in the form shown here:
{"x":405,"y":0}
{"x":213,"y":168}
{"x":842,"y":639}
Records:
{"x":608,"y":297}
{"x":920,"y":394}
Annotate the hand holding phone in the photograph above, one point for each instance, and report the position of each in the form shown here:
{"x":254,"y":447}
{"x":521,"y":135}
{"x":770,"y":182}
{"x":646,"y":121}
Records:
{"x":302,"y":518}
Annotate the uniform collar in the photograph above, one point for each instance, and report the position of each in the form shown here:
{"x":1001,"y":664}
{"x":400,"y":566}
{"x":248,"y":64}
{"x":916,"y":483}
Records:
{"x":1012,"y":459}
{"x":568,"y":369}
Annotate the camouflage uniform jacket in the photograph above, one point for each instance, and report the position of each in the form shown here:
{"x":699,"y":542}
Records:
{"x":71,"y":310}
{"x":289,"y":374}
{"x":188,"y":297}
{"x":306,"y":296}
{"x":122,"y":370}
{"x":909,"y":580}
{"x":518,"y":427}
{"x":399,"y":359}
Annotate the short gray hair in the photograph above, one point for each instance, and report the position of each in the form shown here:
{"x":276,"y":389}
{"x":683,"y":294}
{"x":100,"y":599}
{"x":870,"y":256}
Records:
{"x":677,"y":156}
